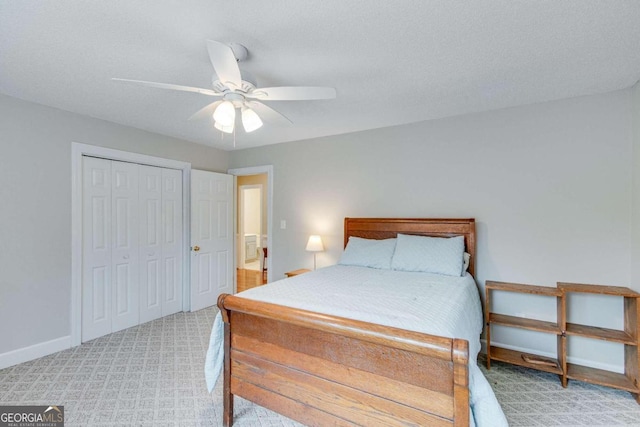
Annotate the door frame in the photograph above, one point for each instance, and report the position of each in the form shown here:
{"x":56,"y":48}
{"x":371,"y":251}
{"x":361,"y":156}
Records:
{"x":256,"y":170}
{"x":78,"y":150}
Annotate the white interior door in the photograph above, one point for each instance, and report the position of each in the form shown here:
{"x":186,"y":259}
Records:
{"x":150,"y":243}
{"x":124,"y":245}
{"x":160,"y":242}
{"x":211,"y":237}
{"x":171,"y":241}
{"x":132,"y":245}
{"x":96,"y":242}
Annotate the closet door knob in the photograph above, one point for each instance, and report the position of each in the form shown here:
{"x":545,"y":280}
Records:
{"x":196,"y":248}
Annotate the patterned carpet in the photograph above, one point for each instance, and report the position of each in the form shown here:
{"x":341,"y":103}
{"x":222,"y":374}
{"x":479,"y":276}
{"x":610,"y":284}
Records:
{"x":152,"y":375}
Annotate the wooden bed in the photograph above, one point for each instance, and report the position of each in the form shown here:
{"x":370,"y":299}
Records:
{"x":326,"y":370}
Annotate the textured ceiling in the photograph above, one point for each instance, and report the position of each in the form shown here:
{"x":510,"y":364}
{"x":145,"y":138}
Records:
{"x":391,"y":62}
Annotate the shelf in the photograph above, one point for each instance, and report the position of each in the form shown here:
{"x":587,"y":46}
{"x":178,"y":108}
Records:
{"x":525,"y":289}
{"x":629,"y":336}
{"x":515,"y":358}
{"x":598,"y":289}
{"x":605,"y":334}
{"x":600,"y":377}
{"x":520,"y":322}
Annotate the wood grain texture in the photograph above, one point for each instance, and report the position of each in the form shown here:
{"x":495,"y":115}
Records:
{"x":601,"y":377}
{"x":320,"y":369}
{"x":632,"y":352}
{"x":524,"y":323}
{"x":515,"y":358}
{"x":598,"y":289}
{"x":629,"y":381}
{"x":383,"y":384}
{"x":297,"y":272}
{"x":523,"y":289}
{"x":247,"y":279}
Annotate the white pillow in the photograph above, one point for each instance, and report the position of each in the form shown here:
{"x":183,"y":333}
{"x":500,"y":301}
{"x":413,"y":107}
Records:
{"x":368,"y":252}
{"x":438,"y":255}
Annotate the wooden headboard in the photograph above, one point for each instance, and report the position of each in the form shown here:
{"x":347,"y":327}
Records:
{"x":386,"y":228}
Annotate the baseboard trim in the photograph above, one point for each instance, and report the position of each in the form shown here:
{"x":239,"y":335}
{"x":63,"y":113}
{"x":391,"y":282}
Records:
{"x":35,"y":351}
{"x":576,"y":360}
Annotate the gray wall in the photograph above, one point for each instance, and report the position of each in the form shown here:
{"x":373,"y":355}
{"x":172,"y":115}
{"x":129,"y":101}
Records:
{"x":35,"y":209}
{"x":635,"y":248}
{"x":549,"y":185}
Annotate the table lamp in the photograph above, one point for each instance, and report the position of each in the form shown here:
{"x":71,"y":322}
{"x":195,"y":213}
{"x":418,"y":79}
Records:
{"x":315,"y":245}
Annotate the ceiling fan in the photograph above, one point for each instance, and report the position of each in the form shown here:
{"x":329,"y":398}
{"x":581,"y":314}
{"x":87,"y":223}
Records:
{"x":239,"y":91}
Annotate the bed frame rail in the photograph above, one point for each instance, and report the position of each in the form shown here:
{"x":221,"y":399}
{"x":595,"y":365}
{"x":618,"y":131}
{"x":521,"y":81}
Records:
{"x":327,"y":370}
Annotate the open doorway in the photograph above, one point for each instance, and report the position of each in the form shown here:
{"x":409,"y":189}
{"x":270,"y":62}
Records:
{"x":252,"y":230}
{"x":251,"y":240}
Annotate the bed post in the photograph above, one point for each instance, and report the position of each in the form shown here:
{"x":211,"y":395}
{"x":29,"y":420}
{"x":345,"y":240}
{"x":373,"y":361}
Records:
{"x":460,"y":356}
{"x":227,"y":416}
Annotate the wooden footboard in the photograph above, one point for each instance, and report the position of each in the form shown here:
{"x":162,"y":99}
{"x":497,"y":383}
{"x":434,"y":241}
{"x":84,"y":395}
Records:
{"x":326,"y":370}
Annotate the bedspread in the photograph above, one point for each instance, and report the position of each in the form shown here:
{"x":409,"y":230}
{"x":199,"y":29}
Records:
{"x":429,"y":303}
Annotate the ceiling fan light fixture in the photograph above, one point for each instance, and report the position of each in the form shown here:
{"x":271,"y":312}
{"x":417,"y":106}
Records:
{"x":225,"y":114}
{"x":250,"y":120}
{"x":238,"y":90}
{"x":222,"y":128}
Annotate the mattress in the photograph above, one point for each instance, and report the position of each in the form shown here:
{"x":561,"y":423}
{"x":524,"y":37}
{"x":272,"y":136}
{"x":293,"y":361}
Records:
{"x":429,"y":303}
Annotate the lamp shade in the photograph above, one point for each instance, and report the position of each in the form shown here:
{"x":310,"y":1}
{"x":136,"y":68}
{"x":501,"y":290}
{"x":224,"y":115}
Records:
{"x":225,"y":114}
{"x":315,"y":244}
{"x":250,"y":120}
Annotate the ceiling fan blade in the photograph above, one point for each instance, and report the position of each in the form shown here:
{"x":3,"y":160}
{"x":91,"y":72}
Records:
{"x":292,"y":93}
{"x":171,"y":87}
{"x":224,"y":63}
{"x":268,"y":114}
{"x":206,"y":111}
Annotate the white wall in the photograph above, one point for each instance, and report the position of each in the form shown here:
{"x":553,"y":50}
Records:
{"x":549,"y":185}
{"x":252,"y":211}
{"x":260,"y":179}
{"x":35,"y":210}
{"x":635,"y":248}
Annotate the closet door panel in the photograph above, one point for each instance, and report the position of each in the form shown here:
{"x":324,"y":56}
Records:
{"x":172,"y":241}
{"x":96,"y":243}
{"x":150,"y":229}
{"x":124,"y":253}
{"x":132,"y":265}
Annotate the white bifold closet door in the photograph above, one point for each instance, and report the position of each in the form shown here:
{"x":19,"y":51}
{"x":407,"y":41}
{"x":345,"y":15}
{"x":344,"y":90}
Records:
{"x":132,"y":240}
{"x":160,"y":242}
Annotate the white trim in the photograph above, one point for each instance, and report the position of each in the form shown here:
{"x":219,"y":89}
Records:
{"x":257,"y":170}
{"x":77,"y":151}
{"x":35,"y":351}
{"x":575,"y":360}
